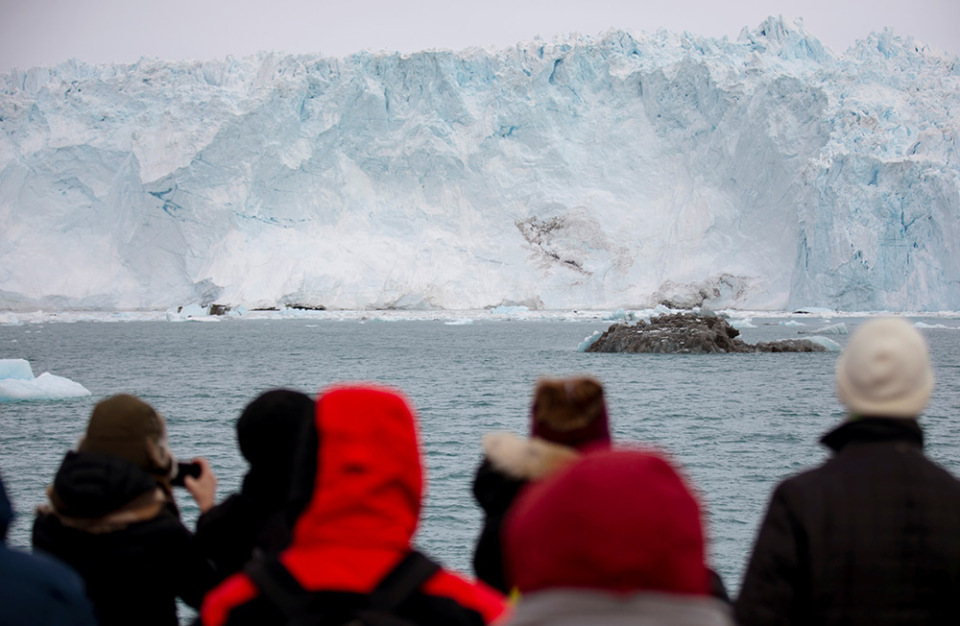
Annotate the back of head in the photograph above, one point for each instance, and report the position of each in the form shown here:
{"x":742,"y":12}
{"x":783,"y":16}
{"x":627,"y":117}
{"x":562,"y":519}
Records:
{"x":268,"y":433}
{"x":884,"y":371}
{"x":571,"y":412}
{"x":358,"y":478}
{"x":615,"y":520}
{"x":126,"y":427}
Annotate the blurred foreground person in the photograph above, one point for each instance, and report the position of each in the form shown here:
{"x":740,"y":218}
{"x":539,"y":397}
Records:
{"x":615,"y":539}
{"x":355,"y":502}
{"x":567,"y":416}
{"x":268,"y":432}
{"x":36,"y":590}
{"x":112,"y":517}
{"x":872,"y":536}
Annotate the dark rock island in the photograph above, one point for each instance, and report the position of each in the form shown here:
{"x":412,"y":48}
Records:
{"x":688,"y":333}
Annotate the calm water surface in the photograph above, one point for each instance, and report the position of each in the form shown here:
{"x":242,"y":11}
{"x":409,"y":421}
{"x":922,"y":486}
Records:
{"x":736,"y":424}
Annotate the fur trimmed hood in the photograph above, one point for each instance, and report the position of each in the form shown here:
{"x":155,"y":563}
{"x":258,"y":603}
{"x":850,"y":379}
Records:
{"x":526,"y":459}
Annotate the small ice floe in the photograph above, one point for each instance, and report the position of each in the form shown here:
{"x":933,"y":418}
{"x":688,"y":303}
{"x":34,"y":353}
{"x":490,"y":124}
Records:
{"x":741,"y":323}
{"x":620,"y":314}
{"x":17,"y":382}
{"x":589,"y":341}
{"x":792,"y":323}
{"x":925,"y":325}
{"x":826,"y":342}
{"x":833,"y":329}
{"x":459,"y":322}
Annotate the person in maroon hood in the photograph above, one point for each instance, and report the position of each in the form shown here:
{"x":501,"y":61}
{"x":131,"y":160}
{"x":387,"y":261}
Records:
{"x":355,"y":504}
{"x":567,"y":415}
{"x":615,"y":539}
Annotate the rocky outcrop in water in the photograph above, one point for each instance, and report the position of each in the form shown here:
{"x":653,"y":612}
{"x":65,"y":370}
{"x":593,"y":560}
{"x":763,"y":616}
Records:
{"x":687,"y":333}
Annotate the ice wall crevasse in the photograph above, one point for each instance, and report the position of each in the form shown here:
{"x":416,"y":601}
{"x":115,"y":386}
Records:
{"x":622,"y":170}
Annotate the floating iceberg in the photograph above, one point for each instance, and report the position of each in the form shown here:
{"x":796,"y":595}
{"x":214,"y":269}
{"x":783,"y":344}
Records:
{"x":17,"y":382}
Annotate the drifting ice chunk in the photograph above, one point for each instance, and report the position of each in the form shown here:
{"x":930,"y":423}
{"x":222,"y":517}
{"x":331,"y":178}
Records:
{"x":16,"y":369}
{"x":829,"y":344}
{"x":18,"y":383}
{"x":589,"y":341}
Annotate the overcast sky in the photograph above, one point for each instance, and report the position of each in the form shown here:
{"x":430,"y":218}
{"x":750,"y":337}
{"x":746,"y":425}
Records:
{"x":47,"y":32}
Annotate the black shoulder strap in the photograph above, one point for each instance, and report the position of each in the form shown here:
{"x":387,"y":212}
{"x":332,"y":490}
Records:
{"x":402,"y":581}
{"x":279,"y":587}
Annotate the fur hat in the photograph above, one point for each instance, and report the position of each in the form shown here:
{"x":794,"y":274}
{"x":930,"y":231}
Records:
{"x":126,"y":427}
{"x":885,"y":370}
{"x":571,"y":412}
{"x":615,"y":520}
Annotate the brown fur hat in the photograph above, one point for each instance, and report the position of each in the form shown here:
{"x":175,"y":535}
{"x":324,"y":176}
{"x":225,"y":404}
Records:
{"x":571,"y":412}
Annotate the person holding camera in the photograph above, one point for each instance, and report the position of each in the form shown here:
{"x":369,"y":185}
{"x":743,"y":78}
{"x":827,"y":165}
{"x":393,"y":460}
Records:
{"x":112,"y":517}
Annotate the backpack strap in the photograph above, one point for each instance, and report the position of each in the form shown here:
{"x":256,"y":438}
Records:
{"x":279,"y":587}
{"x":402,"y":581}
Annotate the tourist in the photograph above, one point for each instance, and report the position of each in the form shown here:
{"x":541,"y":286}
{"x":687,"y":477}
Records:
{"x":871,"y":536}
{"x":567,"y":415}
{"x":614,"y":539}
{"x":36,"y":590}
{"x":112,"y":517}
{"x":355,"y":504}
{"x":268,"y":431}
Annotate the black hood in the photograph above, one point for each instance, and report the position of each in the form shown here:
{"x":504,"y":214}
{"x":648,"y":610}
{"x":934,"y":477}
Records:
{"x":90,"y":485}
{"x":269,"y":432}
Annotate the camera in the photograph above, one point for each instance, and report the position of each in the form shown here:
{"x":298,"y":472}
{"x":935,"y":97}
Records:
{"x":184,"y":470}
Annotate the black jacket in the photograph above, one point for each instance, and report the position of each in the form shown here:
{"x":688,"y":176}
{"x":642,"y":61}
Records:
{"x":111,"y":522}
{"x":232,"y":532}
{"x":36,"y":590}
{"x":495,"y":492}
{"x":872,"y":536}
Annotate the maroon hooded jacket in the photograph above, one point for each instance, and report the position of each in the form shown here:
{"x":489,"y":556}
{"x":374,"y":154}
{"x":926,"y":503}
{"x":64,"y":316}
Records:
{"x":359,"y":519}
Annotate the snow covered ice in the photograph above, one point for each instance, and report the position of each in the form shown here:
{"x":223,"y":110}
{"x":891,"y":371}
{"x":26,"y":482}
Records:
{"x":766,"y":173}
{"x":17,"y":382}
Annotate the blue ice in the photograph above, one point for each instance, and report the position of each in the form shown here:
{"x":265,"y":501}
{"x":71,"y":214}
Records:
{"x":17,"y":382}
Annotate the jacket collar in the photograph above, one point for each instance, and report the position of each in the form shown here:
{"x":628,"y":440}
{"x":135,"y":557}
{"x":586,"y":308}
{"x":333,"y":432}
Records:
{"x":874,"y":430}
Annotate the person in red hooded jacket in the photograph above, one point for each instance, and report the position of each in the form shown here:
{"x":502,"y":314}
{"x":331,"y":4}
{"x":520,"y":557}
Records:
{"x":614,"y":539}
{"x":355,"y":506}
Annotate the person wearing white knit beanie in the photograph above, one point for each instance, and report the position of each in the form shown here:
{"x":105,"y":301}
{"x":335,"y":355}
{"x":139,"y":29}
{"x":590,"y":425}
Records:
{"x":885,"y":370}
{"x":871,"y":536}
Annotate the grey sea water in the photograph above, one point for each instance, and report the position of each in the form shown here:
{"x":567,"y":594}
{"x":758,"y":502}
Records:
{"x":736,"y":424}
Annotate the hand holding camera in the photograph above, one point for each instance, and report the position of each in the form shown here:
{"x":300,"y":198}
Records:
{"x":199,"y":480}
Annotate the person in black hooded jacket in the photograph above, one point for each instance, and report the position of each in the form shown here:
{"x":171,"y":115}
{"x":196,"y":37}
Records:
{"x":36,"y":590}
{"x":112,"y":518}
{"x":268,"y":432}
{"x":872,"y":536}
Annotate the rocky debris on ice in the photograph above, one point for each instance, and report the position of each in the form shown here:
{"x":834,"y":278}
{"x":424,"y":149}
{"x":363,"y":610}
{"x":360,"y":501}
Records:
{"x":689,"y":333}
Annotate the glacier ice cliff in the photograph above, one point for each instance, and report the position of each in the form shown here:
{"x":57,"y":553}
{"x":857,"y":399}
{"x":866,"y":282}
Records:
{"x":590,"y":172}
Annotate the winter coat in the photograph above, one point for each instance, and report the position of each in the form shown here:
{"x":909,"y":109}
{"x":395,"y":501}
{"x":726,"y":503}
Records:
{"x":578,"y":607}
{"x":36,"y":590}
{"x":509,"y":464}
{"x":115,"y":526}
{"x":358,"y":508}
{"x":872,"y":536}
{"x":233,"y":531}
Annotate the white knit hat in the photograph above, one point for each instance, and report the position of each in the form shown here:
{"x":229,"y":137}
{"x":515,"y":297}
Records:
{"x":885,"y":370}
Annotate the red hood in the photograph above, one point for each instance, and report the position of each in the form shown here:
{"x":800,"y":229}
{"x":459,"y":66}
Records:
{"x":368,"y":487}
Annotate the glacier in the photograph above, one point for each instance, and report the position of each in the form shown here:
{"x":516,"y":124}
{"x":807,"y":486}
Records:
{"x":616,"y":171}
